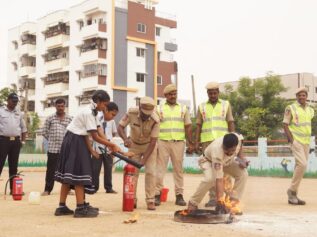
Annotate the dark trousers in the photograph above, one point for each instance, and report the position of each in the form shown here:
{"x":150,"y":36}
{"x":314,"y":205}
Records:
{"x":52,"y":160}
{"x":96,"y":168}
{"x":10,"y":149}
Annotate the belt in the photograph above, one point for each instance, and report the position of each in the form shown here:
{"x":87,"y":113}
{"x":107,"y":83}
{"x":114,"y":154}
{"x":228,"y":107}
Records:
{"x":140,"y":143}
{"x":173,"y":140}
{"x":11,"y":138}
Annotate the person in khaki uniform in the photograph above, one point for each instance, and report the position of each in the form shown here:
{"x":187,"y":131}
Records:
{"x":219,"y":158}
{"x":297,"y":127}
{"x":214,"y":120}
{"x":175,"y":124}
{"x":144,"y":130}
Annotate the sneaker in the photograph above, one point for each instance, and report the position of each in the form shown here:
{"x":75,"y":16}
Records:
{"x":180,"y":200}
{"x":86,"y":204}
{"x":45,"y":193}
{"x":111,"y":191}
{"x":211,"y":203}
{"x":293,"y":199}
{"x":63,"y":211}
{"x":151,"y":206}
{"x":157,"y":201}
{"x":83,"y":212}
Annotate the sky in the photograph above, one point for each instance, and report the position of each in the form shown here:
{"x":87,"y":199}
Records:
{"x":218,"y":40}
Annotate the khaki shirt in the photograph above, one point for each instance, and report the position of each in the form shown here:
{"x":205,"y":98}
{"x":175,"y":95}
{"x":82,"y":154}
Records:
{"x":11,"y":122}
{"x":141,"y":132}
{"x":288,"y":114}
{"x":215,"y":153}
{"x":187,"y":120}
{"x":229,"y":116}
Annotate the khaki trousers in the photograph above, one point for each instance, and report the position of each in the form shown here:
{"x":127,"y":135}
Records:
{"x":149,"y":167}
{"x":301,"y":153}
{"x":175,"y":151}
{"x":212,"y":191}
{"x":240,"y":178}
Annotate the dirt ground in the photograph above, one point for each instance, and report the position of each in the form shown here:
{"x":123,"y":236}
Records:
{"x":266,"y":212}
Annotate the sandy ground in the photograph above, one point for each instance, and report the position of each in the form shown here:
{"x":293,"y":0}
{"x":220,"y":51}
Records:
{"x":266,"y":212}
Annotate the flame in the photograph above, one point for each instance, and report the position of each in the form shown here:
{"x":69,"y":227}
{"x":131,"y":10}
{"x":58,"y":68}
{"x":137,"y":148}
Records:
{"x":232,"y":205}
{"x":184,"y":212}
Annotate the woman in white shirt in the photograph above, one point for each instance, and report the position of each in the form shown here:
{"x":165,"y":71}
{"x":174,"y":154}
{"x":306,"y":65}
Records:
{"x":74,"y":169}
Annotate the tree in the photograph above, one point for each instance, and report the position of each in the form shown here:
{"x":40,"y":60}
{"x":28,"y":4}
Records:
{"x":257,"y":108}
{"x":4,"y":94}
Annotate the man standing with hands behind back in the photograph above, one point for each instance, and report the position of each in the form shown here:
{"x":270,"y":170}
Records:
{"x":12,"y":135}
{"x":175,"y":127}
{"x":297,"y":127}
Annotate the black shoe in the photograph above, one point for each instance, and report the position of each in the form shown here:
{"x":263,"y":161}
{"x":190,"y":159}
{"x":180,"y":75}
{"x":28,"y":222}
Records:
{"x":180,"y":200}
{"x":111,"y":191}
{"x":157,"y":201}
{"x":82,"y":212}
{"x":86,"y":204}
{"x":135,"y":204}
{"x":63,"y":211}
{"x":293,"y":199}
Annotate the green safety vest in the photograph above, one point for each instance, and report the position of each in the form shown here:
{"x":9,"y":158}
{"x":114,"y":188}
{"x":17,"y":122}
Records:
{"x":172,"y":122}
{"x":214,"y":120}
{"x":300,"y":125}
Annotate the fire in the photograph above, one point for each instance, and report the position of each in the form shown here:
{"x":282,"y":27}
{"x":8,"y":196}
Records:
{"x":232,"y":205}
{"x":184,"y":212}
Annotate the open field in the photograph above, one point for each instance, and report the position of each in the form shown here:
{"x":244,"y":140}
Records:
{"x":266,"y":212}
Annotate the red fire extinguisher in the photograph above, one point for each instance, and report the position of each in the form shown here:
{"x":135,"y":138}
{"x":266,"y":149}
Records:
{"x":128,"y":188}
{"x":17,"y":187}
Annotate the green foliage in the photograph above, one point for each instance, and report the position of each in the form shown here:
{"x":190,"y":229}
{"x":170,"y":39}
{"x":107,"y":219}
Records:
{"x":33,"y":124}
{"x":257,"y":108}
{"x":4,"y":94}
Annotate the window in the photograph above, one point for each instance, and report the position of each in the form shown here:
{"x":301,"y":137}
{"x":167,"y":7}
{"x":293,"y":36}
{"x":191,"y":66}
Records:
{"x":140,"y":77}
{"x":140,"y":52}
{"x":137,"y":101}
{"x":159,"y":80}
{"x":15,"y":66}
{"x":315,"y":89}
{"x":173,"y":79}
{"x":141,"y":28}
{"x":158,"y":56}
{"x":81,"y":24}
{"x":307,"y":87}
{"x":157,"y":31}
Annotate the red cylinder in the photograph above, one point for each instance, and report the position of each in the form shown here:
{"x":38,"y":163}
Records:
{"x":128,"y":188}
{"x":17,"y":188}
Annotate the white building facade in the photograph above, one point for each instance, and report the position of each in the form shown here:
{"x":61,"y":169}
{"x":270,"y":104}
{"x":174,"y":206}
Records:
{"x":123,"y":47}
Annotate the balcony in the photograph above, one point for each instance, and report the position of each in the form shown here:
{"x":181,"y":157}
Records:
{"x":93,"y":55}
{"x":92,"y":82}
{"x":26,"y":70}
{"x":93,"y":30}
{"x":56,"y":64}
{"x":27,"y":49}
{"x":56,"y":88}
{"x":172,"y":47}
{"x":56,"y":41}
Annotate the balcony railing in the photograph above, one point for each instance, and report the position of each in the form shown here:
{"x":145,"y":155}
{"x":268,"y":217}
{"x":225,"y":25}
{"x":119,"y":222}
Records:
{"x":28,"y":39}
{"x":61,"y":28}
{"x":56,"y":78}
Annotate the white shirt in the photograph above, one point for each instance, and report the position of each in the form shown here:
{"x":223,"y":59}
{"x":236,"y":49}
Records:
{"x":83,"y":123}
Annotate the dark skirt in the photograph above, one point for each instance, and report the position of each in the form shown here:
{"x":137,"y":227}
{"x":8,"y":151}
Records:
{"x":74,"y":166}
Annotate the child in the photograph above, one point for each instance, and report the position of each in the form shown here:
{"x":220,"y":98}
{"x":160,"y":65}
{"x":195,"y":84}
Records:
{"x":109,"y":128}
{"x":74,"y":167}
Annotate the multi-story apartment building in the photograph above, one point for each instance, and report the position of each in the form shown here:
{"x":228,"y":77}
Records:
{"x":123,"y":47}
{"x":292,"y":82}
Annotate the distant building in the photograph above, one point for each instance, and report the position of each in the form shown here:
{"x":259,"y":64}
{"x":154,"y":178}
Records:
{"x":292,"y":82}
{"x":123,"y":47}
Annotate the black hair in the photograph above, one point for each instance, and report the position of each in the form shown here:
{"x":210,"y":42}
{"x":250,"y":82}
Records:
{"x":112,"y":106}
{"x":100,"y":95}
{"x":230,"y":140}
{"x":60,"y":101}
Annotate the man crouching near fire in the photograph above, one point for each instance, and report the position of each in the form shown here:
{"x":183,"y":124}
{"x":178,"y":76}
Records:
{"x":223,"y":155}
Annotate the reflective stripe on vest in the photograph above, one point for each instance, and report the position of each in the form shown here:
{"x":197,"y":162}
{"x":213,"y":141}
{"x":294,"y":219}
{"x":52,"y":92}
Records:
{"x":214,"y":120}
{"x":300,"y":126}
{"x":172,"y":122}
